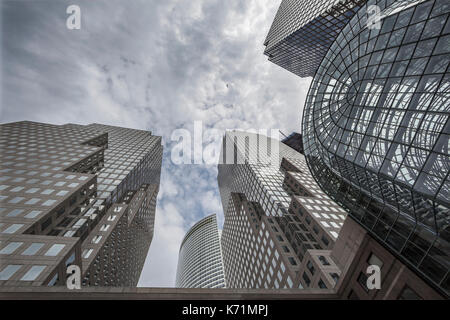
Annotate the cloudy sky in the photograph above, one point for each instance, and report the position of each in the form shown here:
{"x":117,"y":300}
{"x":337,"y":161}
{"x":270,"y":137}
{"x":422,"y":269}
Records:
{"x":157,"y":65}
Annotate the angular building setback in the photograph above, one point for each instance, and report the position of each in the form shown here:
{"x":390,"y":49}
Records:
{"x":376,"y":131}
{"x":295,"y":141}
{"x":303,"y":30}
{"x":75,"y":194}
{"x":282,"y":231}
{"x":200,"y":263}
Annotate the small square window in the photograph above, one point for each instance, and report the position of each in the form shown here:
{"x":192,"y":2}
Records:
{"x":9,"y":271}
{"x":13,"y":228}
{"x":11,"y":247}
{"x":33,"y":214}
{"x":374,"y":260}
{"x":32,"y":249}
{"x":33,"y":273}
{"x":55,"y":250}
{"x":48,"y":203}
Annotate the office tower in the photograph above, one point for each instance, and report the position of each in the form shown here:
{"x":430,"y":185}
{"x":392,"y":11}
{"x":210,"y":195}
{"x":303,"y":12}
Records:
{"x":376,"y":131}
{"x":200,"y":262}
{"x":295,"y":141}
{"x":76,"y":194}
{"x":264,"y":242}
{"x":303,"y":30}
{"x":282,"y":231}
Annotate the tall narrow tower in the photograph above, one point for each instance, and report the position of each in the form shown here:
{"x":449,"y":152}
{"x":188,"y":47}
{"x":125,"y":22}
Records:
{"x":200,"y":262}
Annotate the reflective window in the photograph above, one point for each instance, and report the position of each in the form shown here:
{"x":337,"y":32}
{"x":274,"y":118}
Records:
{"x":32,"y":249}
{"x":33,"y":273}
{"x":11,"y":247}
{"x":55,"y":250}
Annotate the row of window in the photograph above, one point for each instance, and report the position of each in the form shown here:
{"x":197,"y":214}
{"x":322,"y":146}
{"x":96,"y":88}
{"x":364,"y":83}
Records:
{"x":32,"y":249}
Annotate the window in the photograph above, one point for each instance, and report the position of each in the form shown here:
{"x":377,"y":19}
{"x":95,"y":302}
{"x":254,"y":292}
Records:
{"x":104,"y":227}
{"x":33,"y":201}
{"x":87,"y":253}
{"x":55,"y":250}
{"x":9,"y":271}
{"x":48,"y":203}
{"x":325,"y":240}
{"x":374,"y":260}
{"x":16,"y":200}
{"x":13,"y":228}
{"x":53,"y":281}
{"x":408,"y":294}
{"x":15,"y":213}
{"x":62,"y":193}
{"x":96,"y":239}
{"x":362,"y":279}
{"x":310,"y":267}
{"x":306,"y":279}
{"x":324,"y":261}
{"x":33,"y":273}
{"x":33,"y":214}
{"x":11,"y":247}
{"x":71,"y":259}
{"x":335,"y":276}
{"x":322,"y":284}
{"x":32,"y":249}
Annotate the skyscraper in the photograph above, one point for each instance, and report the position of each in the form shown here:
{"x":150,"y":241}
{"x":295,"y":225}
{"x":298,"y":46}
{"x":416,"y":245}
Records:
{"x":200,"y":263}
{"x":376,"y":131}
{"x":303,"y":30}
{"x":282,"y":231}
{"x":74,"y":194}
{"x":264,"y":241}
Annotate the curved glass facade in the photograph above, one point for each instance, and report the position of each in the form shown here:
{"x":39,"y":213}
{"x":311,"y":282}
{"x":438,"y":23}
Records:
{"x":376,"y":129}
{"x":200,"y":262}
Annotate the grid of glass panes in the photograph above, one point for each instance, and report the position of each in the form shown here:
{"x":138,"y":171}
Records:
{"x":303,"y":31}
{"x":376,"y":129}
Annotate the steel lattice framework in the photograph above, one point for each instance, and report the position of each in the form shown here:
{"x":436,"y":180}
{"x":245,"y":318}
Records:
{"x":376,"y":129}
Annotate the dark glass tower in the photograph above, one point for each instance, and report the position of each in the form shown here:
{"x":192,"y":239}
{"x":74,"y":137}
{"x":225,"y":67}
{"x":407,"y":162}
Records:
{"x":376,"y":130}
{"x":303,"y":30}
{"x":73,"y":194}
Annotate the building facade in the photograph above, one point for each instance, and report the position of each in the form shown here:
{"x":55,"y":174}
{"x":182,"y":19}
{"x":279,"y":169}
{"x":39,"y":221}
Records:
{"x":74,"y":194}
{"x":200,"y":263}
{"x":303,"y":30}
{"x":281,"y":231}
{"x":376,"y":131}
{"x":295,"y":141}
{"x":265,"y":241}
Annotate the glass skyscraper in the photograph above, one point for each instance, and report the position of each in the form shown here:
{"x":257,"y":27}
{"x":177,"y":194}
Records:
{"x":376,"y":130}
{"x":200,"y":263}
{"x":76,"y":194}
{"x":303,"y":30}
{"x":275,"y":214}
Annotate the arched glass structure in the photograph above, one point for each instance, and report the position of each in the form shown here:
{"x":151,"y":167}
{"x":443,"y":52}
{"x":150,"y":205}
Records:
{"x":376,"y":129}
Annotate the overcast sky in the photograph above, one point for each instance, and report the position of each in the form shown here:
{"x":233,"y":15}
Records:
{"x":157,"y":65}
